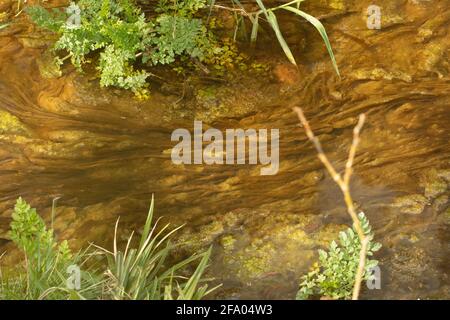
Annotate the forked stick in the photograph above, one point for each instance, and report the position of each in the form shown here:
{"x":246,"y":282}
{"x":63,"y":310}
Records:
{"x":344,"y":185}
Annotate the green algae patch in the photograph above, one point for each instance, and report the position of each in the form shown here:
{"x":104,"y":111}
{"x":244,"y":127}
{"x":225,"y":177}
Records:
{"x":248,"y":249}
{"x":255,"y":261}
{"x":447,"y":216}
{"x":334,"y":4}
{"x":227,"y":242}
{"x":248,"y":258}
{"x":49,"y":66}
{"x":433,"y":183}
{"x":411,"y":204}
{"x":10,"y":124}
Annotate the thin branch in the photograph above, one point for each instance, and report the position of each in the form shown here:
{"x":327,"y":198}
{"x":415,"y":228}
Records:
{"x":344,"y":185}
{"x":360,"y":271}
{"x":355,"y":142}
{"x":238,"y":10}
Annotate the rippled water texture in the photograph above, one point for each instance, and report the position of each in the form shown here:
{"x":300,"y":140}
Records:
{"x":104,"y":153}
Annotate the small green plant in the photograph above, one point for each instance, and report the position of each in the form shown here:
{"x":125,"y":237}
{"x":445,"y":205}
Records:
{"x":271,"y":18}
{"x":115,"y":29}
{"x":117,"y":36}
{"x":293,"y":7}
{"x":123,"y":42}
{"x":142,"y":273}
{"x":334,"y":275}
{"x":185,"y":8}
{"x":46,"y":260}
{"x":177,"y":36}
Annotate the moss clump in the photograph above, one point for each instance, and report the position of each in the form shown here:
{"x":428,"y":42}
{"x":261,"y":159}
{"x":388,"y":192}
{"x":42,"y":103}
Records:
{"x":433,"y":184}
{"x":411,"y":204}
{"x":256,"y":260}
{"x":197,"y":239}
{"x":10,"y":124}
{"x":227,"y":243}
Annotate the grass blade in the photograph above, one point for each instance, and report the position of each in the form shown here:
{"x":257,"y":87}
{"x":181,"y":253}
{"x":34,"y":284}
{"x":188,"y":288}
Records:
{"x":319,"y":26}
{"x":274,"y":23}
{"x":148,"y":222}
{"x":255,"y":28}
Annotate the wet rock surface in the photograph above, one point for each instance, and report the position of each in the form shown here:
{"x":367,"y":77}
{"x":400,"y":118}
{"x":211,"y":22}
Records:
{"x":105,"y":153}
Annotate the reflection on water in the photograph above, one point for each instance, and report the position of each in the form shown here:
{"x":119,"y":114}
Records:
{"x":104,"y":154}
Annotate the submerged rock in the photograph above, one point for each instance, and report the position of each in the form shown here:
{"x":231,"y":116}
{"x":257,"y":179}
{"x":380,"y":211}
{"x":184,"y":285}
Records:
{"x":411,"y":204}
{"x":253,"y":244}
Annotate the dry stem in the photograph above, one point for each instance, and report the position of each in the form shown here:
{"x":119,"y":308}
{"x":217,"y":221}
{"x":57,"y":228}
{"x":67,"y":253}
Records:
{"x":344,"y":185}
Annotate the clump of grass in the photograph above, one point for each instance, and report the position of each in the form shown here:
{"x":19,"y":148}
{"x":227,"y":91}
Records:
{"x":141,"y":273}
{"x":293,"y":7}
{"x":271,"y":18}
{"x":44,"y":274}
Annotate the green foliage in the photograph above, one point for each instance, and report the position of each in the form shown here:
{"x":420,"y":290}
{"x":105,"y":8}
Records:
{"x":141,"y":273}
{"x":123,"y":43}
{"x":46,"y":260}
{"x":292,"y":6}
{"x":28,"y":230}
{"x":176,"y":36}
{"x":115,"y":70}
{"x":334,"y":275}
{"x":186,"y":8}
{"x":135,"y":273}
{"x":124,"y":37}
{"x":116,"y":28}
{"x":52,"y":20}
{"x":13,"y":288}
{"x":225,"y":56}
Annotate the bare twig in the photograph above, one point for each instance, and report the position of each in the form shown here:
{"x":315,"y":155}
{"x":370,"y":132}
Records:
{"x":238,"y":10}
{"x":344,"y":185}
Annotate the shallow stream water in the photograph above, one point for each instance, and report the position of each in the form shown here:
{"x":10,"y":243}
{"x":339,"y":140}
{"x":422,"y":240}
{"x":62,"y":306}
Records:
{"x":104,"y":153}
